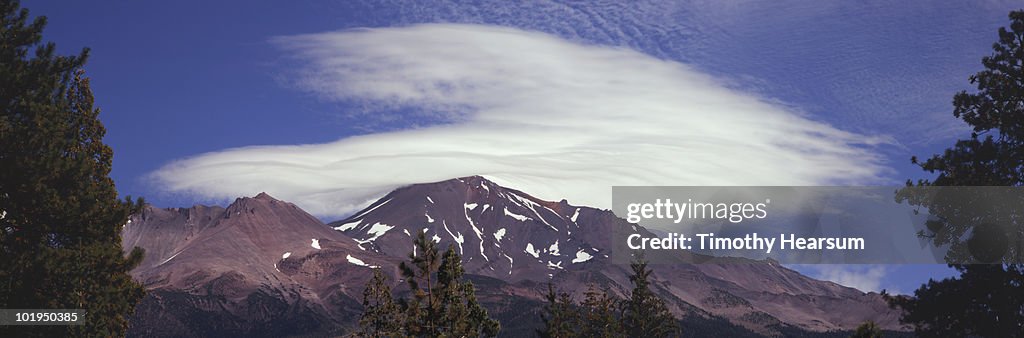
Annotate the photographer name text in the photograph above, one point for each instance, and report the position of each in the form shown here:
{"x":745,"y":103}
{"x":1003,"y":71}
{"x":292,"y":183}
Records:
{"x":752,"y":241}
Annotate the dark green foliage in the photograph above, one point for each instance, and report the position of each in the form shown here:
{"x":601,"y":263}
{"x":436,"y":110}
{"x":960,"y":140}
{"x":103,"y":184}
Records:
{"x":696,"y":325}
{"x":992,"y":156}
{"x":644,"y":314}
{"x":61,"y":216}
{"x":599,"y":315}
{"x":421,"y":310}
{"x":517,"y":315}
{"x":867,"y":330}
{"x":460,"y":313}
{"x":173,"y":313}
{"x":713,"y":326}
{"x":381,"y":315}
{"x":986,"y":300}
{"x":443,"y":304}
{"x":559,"y":315}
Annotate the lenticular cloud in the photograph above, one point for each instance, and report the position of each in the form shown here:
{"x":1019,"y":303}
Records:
{"x":554,"y":118}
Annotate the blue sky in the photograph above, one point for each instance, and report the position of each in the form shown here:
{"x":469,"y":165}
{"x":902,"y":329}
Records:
{"x":184,"y":84}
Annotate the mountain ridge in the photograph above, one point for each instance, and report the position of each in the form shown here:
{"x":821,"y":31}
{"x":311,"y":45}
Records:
{"x":570,"y":245}
{"x":264,"y":256}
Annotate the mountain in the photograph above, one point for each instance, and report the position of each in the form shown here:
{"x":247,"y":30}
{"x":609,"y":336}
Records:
{"x":501,"y":233}
{"x":260,"y":267}
{"x":509,"y":235}
{"x":264,"y":267}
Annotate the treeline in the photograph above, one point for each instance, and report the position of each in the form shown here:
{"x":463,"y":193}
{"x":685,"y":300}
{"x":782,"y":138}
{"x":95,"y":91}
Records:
{"x":601,"y":314}
{"x":443,"y":304}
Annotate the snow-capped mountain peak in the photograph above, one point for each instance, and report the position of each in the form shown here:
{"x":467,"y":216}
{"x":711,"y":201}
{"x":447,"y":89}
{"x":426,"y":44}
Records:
{"x":499,"y":231}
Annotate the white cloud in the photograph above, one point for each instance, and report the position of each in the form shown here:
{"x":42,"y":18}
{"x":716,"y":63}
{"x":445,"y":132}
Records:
{"x":861,"y":277}
{"x":551,"y":117}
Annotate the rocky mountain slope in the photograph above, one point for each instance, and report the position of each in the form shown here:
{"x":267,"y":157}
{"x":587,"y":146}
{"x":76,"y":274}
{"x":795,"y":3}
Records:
{"x":499,"y":232}
{"x":507,"y":234}
{"x":260,"y":267}
{"x":264,"y":267}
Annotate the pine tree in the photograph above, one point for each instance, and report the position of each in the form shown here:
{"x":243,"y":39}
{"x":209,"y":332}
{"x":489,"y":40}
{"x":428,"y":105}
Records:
{"x":559,"y":315}
{"x":993,"y":155}
{"x":445,"y":305}
{"x":599,"y":315}
{"x":986,"y":299}
{"x":381,"y":315}
{"x":644,"y":314}
{"x":421,"y":310}
{"x":460,"y":313}
{"x":60,"y":215}
{"x":453,"y":312}
{"x":867,"y":330}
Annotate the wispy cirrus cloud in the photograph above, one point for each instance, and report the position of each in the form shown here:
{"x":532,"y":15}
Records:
{"x":555,"y":118}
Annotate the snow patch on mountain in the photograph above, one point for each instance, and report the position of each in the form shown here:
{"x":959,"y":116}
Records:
{"x":479,"y":233}
{"x":553,"y":249}
{"x":378,"y":229}
{"x":348,"y":226}
{"x":359,"y":262}
{"x":170,"y":258}
{"x":509,"y":263}
{"x":458,"y":239}
{"x":582,"y":256}
{"x":532,"y":251}
{"x":519,"y":217}
{"x":315,"y":244}
{"x":529,"y":204}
